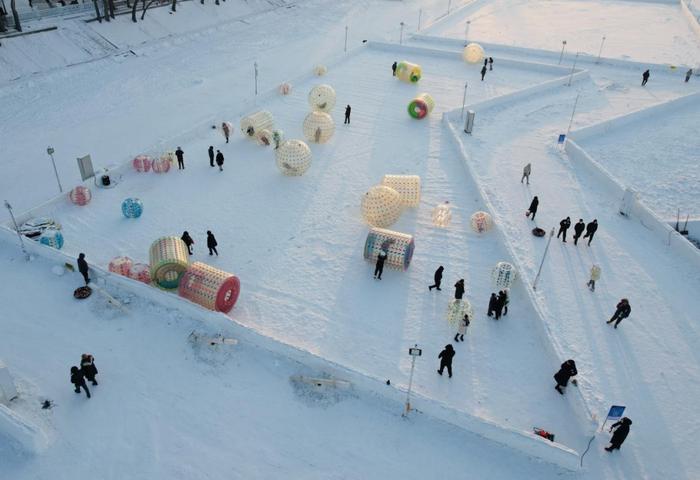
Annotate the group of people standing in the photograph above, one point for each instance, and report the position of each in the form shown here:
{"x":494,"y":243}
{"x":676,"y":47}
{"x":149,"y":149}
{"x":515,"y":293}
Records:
{"x":87,"y":371}
{"x":498,"y":304}
{"x":579,"y":227}
{"x":211,"y":242}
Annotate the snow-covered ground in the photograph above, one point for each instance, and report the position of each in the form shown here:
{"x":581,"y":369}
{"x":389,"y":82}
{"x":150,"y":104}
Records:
{"x":641,"y":31}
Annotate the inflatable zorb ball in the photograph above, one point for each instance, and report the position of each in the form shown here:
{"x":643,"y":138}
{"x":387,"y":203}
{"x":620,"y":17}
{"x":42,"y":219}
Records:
{"x":473,"y":53}
{"x":51,"y":238}
{"x":210,"y":287}
{"x":121,"y":266}
{"x":421,"y":106}
{"x":80,"y":195}
{"x":162,"y":164}
{"x":142,"y":163}
{"x":285,"y":89}
{"x":381,"y":206}
{"x":503,"y":275}
{"x":408,"y":187}
{"x":168,"y":261}
{"x":322,"y":98}
{"x":318,"y":127}
{"x":481,"y":222}
{"x":253,"y":124}
{"x":398,"y":246}
{"x":408,"y":72}
{"x":456,"y":310}
{"x":442,"y":215}
{"x":132,"y":208}
{"x":140,"y":272}
{"x":320,"y":70}
{"x":293,"y":157}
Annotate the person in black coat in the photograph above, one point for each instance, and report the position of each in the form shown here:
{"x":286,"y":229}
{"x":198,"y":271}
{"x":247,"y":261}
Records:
{"x":211,"y":243}
{"x":347,"y":114}
{"x":188,"y":241}
{"x":563,"y":227}
{"x":500,"y":303}
{"x":83,"y":267}
{"x":393,"y":68}
{"x":622,"y":311}
{"x":645,"y":77}
{"x":459,"y":289}
{"x":446,"y":360}
{"x":567,"y":370}
{"x":211,"y":155}
{"x":622,"y":429}
{"x":590,"y":230}
{"x":533,"y":207}
{"x":483,"y":72}
{"x":490,"y":63}
{"x":77,"y":379}
{"x":437,"y":277}
{"x":578,"y":230}
{"x":88,"y":367}
{"x":493,"y":302}
{"x":379,"y":267}
{"x":180,"y":158}
{"x":220,"y":160}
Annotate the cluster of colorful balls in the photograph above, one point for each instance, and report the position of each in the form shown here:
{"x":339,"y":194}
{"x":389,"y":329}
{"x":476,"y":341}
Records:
{"x":141,"y":272}
{"x":51,"y":238}
{"x":142,"y":163}
{"x":132,"y":208}
{"x":121,"y":266}
{"x":162,"y":164}
{"x":80,"y":195}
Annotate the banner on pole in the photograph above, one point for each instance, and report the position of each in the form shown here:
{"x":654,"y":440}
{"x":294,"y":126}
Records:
{"x":562,"y":138}
{"x":614,"y":414}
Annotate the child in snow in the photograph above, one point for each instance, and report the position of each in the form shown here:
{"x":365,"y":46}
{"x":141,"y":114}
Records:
{"x":446,"y":360}
{"x":211,"y":243}
{"x":88,"y":367}
{"x":462,"y":328}
{"x":77,"y":379}
{"x":438,"y":278}
{"x":622,"y":311}
{"x":622,"y":429}
{"x":595,"y":276}
{"x":526,"y":173}
{"x":459,"y":289}
{"x":567,"y":370}
{"x":490,"y":63}
{"x":188,"y":241}
{"x":533,"y":208}
{"x":226,"y":129}
{"x":379,"y":267}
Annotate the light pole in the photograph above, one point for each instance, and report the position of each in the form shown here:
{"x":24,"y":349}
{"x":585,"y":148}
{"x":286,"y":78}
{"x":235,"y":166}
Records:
{"x":466,"y":30}
{"x":255,"y":68}
{"x":464,"y":100}
{"x":50,"y":151}
{"x":413,"y":352}
{"x":573,"y":67}
{"x":19,"y":235}
{"x":537,"y":277}
{"x":345,"y":49}
{"x":563,"y":46}
{"x":601,"y":49}
{"x":449,"y":4}
{"x":571,"y":121}
{"x":401,"y":34}
{"x":420,"y":14}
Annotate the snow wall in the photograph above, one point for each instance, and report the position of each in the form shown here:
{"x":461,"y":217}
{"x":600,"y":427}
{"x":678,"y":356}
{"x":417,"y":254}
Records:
{"x":692,"y":19}
{"x":20,"y":433}
{"x":676,"y":242}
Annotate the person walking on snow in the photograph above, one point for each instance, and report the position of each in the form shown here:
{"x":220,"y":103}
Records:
{"x":180,"y":158}
{"x":622,"y":311}
{"x":437,"y":277}
{"x":645,"y":77}
{"x":533,"y":208}
{"x":591,"y":228}
{"x":211,"y":155}
{"x":563,"y":227}
{"x":486,"y":61}
{"x":490,"y":63}
{"x":483,"y":72}
{"x":506,"y":300}
{"x":595,"y":276}
{"x":459,"y":289}
{"x":393,"y":69}
{"x":462,"y":328}
{"x":578,"y":230}
{"x":188,"y":241}
{"x":220,"y":160}
{"x":347,"y":114}
{"x":227,"y":130}
{"x":567,"y":370}
{"x":77,"y":379}
{"x":622,"y":429}
{"x":446,"y":360}
{"x":500,"y":303}
{"x":688,"y":74}
{"x":379,"y":267}
{"x":493,"y":302}
{"x":83,"y":268}
{"x":88,"y":367}
{"x":526,"y":173}
{"x":211,"y":243}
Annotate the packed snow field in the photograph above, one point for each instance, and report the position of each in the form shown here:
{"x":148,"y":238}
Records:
{"x":296,"y":243}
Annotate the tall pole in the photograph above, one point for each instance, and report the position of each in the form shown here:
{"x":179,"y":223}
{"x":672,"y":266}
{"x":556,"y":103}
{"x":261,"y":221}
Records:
{"x":464,"y":100}
{"x":401,"y":34}
{"x":601,"y":49}
{"x":50,"y":151}
{"x":449,"y":4}
{"x":571,"y":121}
{"x":345,"y":49}
{"x":19,"y":235}
{"x":466,"y":30}
{"x":410,"y":384}
{"x":537,"y":277}
{"x":420,"y":14}
{"x":573,"y":67}
{"x":563,"y":46}
{"x":255,"y":67}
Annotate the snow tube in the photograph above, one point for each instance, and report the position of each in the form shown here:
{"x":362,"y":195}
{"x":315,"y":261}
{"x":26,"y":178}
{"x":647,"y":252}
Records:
{"x":169,"y":259}
{"x":210,"y":287}
{"x":421,"y":106}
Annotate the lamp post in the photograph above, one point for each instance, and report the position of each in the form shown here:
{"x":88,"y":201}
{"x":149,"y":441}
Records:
{"x":601,"y":49}
{"x":571,"y":121}
{"x":573,"y":67}
{"x":345,"y":49}
{"x":255,"y":68}
{"x":401,"y":34}
{"x":50,"y":151}
{"x":19,"y":235}
{"x":563,"y":46}
{"x":466,"y":30}
{"x":539,"y":270}
{"x":420,"y":14}
{"x":413,"y":352}
{"x":449,"y":4}
{"x":464,"y":100}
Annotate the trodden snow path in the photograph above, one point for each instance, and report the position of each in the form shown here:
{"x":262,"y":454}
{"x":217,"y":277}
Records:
{"x":650,"y":363}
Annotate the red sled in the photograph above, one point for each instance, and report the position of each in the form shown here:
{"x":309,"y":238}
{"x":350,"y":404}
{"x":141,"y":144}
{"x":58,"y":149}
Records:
{"x":543,"y":433}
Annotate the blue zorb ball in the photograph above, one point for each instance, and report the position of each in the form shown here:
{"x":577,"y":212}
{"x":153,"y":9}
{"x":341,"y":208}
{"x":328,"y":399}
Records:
{"x":132,"y":208}
{"x":52,"y":238}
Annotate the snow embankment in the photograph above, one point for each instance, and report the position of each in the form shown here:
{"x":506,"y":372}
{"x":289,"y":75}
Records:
{"x":20,"y":433}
